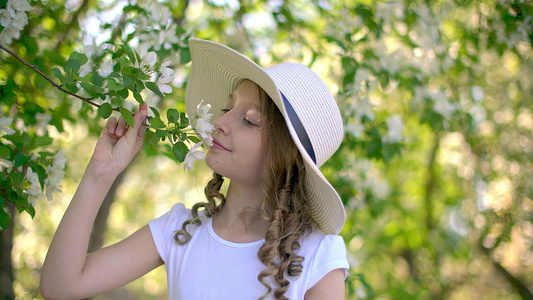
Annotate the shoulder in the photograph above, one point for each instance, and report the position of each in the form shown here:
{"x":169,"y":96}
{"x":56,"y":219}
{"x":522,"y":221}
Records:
{"x":316,"y":240}
{"x":178,"y":213}
{"x":322,"y":254}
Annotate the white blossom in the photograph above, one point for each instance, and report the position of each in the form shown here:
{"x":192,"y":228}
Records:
{"x":202,"y":110}
{"x":395,"y":128}
{"x":164,"y":70}
{"x":168,"y":37}
{"x":159,"y":13}
{"x":93,"y":50}
{"x":13,"y":18}
{"x":355,"y":128}
{"x":34,"y":191}
{"x":8,"y":34}
{"x":442,"y":105}
{"x":4,"y":123}
{"x":55,"y":173}
{"x":19,"y":5}
{"x":5,"y":18}
{"x":106,"y":68}
{"x":42,"y":122}
{"x":204,"y":127}
{"x":20,"y":20}
{"x":193,"y":155}
{"x":87,"y":68}
{"x":6,"y":165}
{"x":162,"y":84}
{"x":148,"y":60}
{"x":363,"y":108}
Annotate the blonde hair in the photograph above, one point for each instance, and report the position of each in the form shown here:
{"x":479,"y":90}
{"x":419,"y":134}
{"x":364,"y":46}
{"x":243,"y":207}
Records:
{"x":284,"y":206}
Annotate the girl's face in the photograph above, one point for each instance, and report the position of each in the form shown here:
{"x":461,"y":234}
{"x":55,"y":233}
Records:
{"x":237,"y":151}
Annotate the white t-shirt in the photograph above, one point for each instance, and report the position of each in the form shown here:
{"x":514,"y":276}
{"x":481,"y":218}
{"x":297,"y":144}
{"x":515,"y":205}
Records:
{"x":209,"y":267}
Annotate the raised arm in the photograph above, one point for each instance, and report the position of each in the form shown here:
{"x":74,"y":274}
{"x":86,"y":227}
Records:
{"x":68,"y":272}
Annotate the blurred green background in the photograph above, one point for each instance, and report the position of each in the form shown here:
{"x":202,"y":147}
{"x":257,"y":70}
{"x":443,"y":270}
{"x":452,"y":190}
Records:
{"x":435,"y":168}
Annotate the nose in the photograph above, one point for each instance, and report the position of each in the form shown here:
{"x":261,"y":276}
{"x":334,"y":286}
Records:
{"x":221,"y":123}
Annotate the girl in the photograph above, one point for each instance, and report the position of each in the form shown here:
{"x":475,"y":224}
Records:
{"x":272,"y":236}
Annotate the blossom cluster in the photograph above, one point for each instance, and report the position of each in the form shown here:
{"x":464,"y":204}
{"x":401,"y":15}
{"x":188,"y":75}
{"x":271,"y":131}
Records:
{"x":13,"y":18}
{"x":55,"y":173}
{"x":204,"y":128}
{"x":5,"y":122}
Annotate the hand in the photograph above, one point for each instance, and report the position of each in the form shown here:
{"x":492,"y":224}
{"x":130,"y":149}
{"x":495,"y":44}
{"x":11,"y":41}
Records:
{"x":118,"y":144}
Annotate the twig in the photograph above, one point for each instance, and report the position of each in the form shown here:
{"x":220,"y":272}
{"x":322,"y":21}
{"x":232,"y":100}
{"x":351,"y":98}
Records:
{"x":59,"y":87}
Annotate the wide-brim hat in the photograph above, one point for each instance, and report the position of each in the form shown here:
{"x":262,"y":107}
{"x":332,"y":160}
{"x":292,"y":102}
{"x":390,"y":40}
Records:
{"x":304,"y":100}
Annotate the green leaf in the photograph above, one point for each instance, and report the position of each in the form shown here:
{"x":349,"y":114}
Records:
{"x":97,"y":80}
{"x":20,"y":159}
{"x":105,"y":110}
{"x":31,"y":210}
{"x":132,"y":71}
{"x":72,"y":66}
{"x":90,"y":88}
{"x":180,"y":151}
{"x":112,"y":85}
{"x":185,"y":55}
{"x":40,"y":141}
{"x":20,"y":141}
{"x":156,"y":112}
{"x":5,"y":151}
{"x":152,"y":86}
{"x":150,"y":138}
{"x":79,"y":57}
{"x":173,"y":115}
{"x":128,"y":117}
{"x":156,"y":123}
{"x":39,"y":82}
{"x":127,"y":79}
{"x":129,"y":52}
{"x":55,"y":57}
{"x":139,"y":86}
{"x":184,"y":121}
{"x":57,"y":73}
{"x":138,"y":97}
{"x":4,"y":218}
{"x":71,"y":87}
{"x":193,"y":139}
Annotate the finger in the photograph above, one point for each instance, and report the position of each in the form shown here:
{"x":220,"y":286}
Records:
{"x":111,"y":125}
{"x":138,"y":129}
{"x":121,"y":127}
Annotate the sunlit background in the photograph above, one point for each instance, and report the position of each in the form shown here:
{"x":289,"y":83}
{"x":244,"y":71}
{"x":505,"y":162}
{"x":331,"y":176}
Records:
{"x":435,"y":168}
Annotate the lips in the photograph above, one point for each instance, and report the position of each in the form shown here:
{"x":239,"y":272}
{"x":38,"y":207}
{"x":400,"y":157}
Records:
{"x":219,"y":146}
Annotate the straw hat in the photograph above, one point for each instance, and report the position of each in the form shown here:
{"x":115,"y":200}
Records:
{"x":309,"y":109}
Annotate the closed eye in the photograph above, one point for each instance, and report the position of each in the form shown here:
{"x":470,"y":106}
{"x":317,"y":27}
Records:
{"x":249,"y":123}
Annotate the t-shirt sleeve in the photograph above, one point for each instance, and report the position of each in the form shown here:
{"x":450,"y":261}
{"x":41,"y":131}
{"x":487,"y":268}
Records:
{"x":330,"y":255}
{"x":164,"y":227}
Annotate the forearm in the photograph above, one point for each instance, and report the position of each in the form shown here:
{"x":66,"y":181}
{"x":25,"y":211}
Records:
{"x":65,"y":261}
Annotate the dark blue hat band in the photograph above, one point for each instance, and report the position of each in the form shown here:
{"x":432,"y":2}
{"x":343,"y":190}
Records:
{"x":300,"y":130}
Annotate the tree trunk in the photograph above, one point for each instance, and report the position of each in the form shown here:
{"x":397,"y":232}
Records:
{"x":6,"y":266}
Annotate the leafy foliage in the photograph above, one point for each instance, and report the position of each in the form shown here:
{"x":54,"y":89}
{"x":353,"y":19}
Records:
{"x":435,"y":166}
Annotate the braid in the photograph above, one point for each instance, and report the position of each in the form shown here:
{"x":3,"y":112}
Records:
{"x":212,"y":192}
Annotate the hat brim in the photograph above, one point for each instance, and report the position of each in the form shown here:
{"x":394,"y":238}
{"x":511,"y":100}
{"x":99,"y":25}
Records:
{"x":216,"y":71}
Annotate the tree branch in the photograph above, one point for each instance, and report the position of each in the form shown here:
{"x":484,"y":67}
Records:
{"x":518,"y":285}
{"x":59,"y":87}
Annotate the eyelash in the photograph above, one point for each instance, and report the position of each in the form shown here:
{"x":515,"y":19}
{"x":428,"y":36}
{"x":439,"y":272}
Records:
{"x":246,"y":121}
